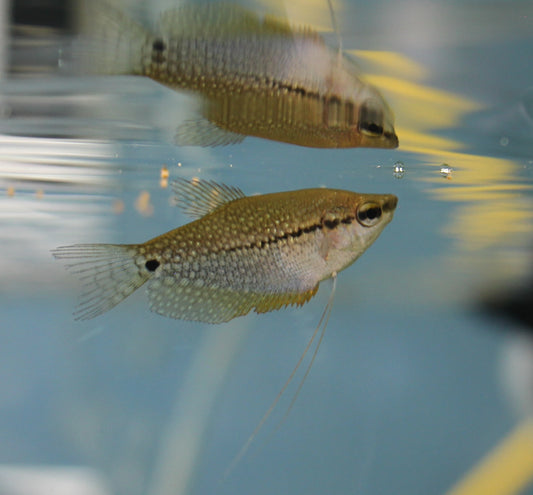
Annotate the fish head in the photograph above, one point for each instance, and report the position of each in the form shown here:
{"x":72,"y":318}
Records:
{"x":374,"y":121}
{"x":353,"y":225}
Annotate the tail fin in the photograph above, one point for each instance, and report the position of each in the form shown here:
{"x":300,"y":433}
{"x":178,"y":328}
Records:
{"x":113,"y":42}
{"x":108,"y":272}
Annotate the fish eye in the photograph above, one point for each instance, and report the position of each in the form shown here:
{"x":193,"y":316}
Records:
{"x":369,"y":214}
{"x":371,"y":119}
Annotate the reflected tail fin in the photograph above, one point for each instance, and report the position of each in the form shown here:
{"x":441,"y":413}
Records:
{"x":113,"y":43}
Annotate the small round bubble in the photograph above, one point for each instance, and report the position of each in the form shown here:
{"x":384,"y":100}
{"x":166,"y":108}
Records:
{"x":398,"y":170}
{"x":446,"y":170}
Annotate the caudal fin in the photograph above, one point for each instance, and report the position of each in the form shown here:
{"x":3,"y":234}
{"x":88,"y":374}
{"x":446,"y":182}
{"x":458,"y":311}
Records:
{"x":113,"y":43}
{"x":108,"y":272}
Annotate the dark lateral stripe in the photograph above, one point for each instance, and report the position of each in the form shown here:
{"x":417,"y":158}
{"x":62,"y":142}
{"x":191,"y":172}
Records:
{"x":298,"y":90}
{"x":342,"y":111}
{"x":159,"y":47}
{"x":329,"y":224}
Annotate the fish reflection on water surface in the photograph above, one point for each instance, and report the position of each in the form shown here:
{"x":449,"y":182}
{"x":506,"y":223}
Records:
{"x":259,"y":252}
{"x":256,"y":76}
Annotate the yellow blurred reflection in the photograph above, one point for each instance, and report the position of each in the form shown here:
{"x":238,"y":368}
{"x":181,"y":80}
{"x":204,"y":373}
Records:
{"x":507,"y":470}
{"x":420,"y":142}
{"x":492,"y":209}
{"x":392,"y":62}
{"x":313,"y":13}
{"x":421,"y":107}
{"x":144,"y":205}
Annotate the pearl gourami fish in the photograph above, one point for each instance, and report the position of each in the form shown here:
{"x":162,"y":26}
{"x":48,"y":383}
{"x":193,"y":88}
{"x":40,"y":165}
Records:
{"x":242,"y":253}
{"x":255,"y":76}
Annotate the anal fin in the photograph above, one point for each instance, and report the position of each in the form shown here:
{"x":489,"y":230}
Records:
{"x":271,"y":302}
{"x":188,"y":300}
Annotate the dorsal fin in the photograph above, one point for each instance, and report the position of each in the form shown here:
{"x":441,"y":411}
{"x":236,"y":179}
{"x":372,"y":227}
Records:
{"x":198,"y":197}
{"x":219,"y":20}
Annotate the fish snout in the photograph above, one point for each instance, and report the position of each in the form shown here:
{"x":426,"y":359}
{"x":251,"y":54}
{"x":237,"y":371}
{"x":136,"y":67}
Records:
{"x":391,"y":139}
{"x":389,"y":203}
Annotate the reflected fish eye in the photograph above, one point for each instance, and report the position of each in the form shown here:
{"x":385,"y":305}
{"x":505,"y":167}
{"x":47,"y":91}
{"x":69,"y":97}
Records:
{"x":369,"y":214}
{"x":370,"y":119}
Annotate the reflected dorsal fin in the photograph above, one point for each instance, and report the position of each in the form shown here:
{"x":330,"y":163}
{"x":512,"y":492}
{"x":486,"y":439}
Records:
{"x":219,"y":20}
{"x":198,"y":197}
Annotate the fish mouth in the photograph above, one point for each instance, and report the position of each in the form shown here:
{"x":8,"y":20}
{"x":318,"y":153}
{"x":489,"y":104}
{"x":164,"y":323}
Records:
{"x":391,"y":140}
{"x":389,"y":203}
{"x":387,"y":140}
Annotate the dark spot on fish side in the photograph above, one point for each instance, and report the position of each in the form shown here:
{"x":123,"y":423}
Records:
{"x":151,"y":265}
{"x":158,"y":45}
{"x":158,"y":48}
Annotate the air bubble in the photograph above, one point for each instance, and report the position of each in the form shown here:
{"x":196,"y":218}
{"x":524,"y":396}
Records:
{"x":398,"y":170}
{"x":446,"y":171}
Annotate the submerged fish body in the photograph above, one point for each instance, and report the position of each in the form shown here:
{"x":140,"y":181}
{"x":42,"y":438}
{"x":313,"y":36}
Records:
{"x":244,"y":253}
{"x":256,"y":77}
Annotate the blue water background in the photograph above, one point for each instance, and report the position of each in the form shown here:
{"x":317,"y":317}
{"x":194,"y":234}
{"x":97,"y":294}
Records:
{"x":410,"y":388}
